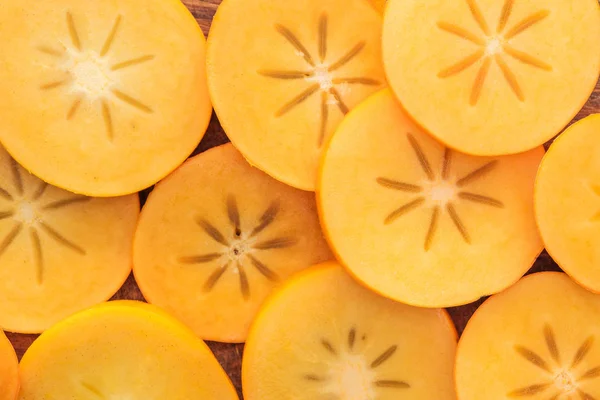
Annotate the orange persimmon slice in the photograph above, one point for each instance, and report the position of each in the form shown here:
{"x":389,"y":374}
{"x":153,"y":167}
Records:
{"x":418,"y":222}
{"x":323,"y":336}
{"x":122,"y":350}
{"x":217,"y":236}
{"x":492,"y":77}
{"x":282,"y":80}
{"x":59,"y":252}
{"x":103,"y":97}
{"x":539,"y":340}
{"x":567,"y":201}
{"x":9,"y":372}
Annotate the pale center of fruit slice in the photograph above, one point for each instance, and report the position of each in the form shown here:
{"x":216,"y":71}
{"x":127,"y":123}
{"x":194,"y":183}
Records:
{"x":352,"y":378}
{"x":25,"y":213}
{"x":441,"y":192}
{"x":565,"y":382}
{"x":322,"y":76}
{"x":493,"y":46}
{"x":91,"y":74}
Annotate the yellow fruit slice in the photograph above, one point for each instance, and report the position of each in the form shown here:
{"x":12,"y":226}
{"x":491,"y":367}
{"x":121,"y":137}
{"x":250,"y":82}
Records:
{"x":281,"y":94}
{"x":102,"y":97}
{"x":492,"y":77}
{"x":9,"y":373}
{"x":567,"y":201}
{"x":59,"y":252}
{"x":217,"y":236}
{"x":418,"y":222}
{"x":122,"y":350}
{"x":323,"y":336}
{"x":537,"y":340}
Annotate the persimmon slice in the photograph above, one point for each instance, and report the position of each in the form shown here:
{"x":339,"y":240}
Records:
{"x":59,"y":252}
{"x":91,"y":102}
{"x":492,"y":77}
{"x":280,"y":95}
{"x":418,"y":222}
{"x":122,"y":350}
{"x":567,"y":201}
{"x":323,"y":336}
{"x":217,"y":236}
{"x":538,"y":340}
{"x":9,"y":372}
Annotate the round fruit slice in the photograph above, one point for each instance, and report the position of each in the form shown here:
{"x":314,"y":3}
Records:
{"x":217,"y":236}
{"x":122,"y":350}
{"x":9,"y":374}
{"x":492,"y":77}
{"x":418,"y":222}
{"x":91,"y":101}
{"x":323,"y":336}
{"x":59,"y":252}
{"x":567,"y":201}
{"x":538,"y":340}
{"x":280,"y":94}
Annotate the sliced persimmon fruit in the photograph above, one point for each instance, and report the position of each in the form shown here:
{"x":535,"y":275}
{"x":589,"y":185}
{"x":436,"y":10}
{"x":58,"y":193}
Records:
{"x":122,"y":350}
{"x":9,"y":370}
{"x":217,"y":236}
{"x":540,"y":339}
{"x":59,"y":252}
{"x":567,"y":201}
{"x":281,"y":94}
{"x":102,"y":98}
{"x":324,"y":336}
{"x":418,"y":222}
{"x":492,"y":77}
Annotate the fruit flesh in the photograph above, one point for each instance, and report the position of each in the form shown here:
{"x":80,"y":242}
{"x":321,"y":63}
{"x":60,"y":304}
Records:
{"x":217,"y":236}
{"x":123,"y":350}
{"x":418,"y":222}
{"x":324,"y":336}
{"x":8,"y":370}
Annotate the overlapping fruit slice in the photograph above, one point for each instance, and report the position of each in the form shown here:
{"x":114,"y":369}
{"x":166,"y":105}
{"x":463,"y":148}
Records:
{"x":538,"y":340}
{"x":217,"y":236}
{"x":567,"y":201}
{"x":9,"y":373}
{"x":492,"y":77}
{"x":122,"y":350}
{"x":323,"y":336}
{"x":102,"y":97}
{"x":281,"y":94}
{"x":419,"y":222}
{"x":59,"y":252}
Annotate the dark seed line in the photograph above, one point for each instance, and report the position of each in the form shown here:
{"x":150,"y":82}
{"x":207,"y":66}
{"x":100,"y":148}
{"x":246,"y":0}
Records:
{"x":244,"y":286}
{"x":108,"y":121}
{"x":351,"y":338}
{"x":433,"y":224}
{"x":401,"y":186}
{"x":214,"y":277}
{"x":477,"y":198}
{"x":462,"y":64}
{"x":111,"y":36}
{"x":405,"y":209}
{"x":510,"y":77}
{"x":551,"y":343}
{"x":131,"y":63}
{"x":233,"y":213}
{"x":212,"y":232}
{"x":73,"y":32}
{"x":60,"y":238}
{"x":37,"y":254}
{"x":591,"y":374}
{"x":340,"y":103}
{"x":92,"y":389}
{"x":392,"y":384}
{"x":582,"y":351}
{"x":6,"y":214}
{"x":314,"y":378}
{"x":476,"y":12}
{"x":10,"y":238}
{"x":293,"y":40}
{"x":446,"y":163}
{"x":533,"y":358}
{"x":355,"y":51}
{"x":131,"y":101}
{"x":358,"y":80}
{"x":66,"y":202}
{"x":297,"y":100}
{"x":460,"y":32}
{"x":530,"y":390}
{"x":479,"y":81}
{"x":504,"y":17}
{"x":267,"y":218}
{"x":384,"y":357}
{"x":285,"y":74}
{"x":584,"y":395}
{"x":51,"y":51}
{"x":458,"y":222}
{"x":329,"y":347}
{"x":74,"y":107}
{"x":17,"y":178}
{"x":476,"y":174}
{"x":279,"y":243}
{"x":526,"y":58}
{"x":421,"y":157}
{"x":324,"y":118}
{"x":200,"y":259}
{"x":54,"y":85}
{"x":323,"y":37}
{"x":263,"y":269}
{"x":4,"y":193}
{"x":526,"y":23}
{"x":556,"y":396}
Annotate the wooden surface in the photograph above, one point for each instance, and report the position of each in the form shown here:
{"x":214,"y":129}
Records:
{"x":230,"y":356}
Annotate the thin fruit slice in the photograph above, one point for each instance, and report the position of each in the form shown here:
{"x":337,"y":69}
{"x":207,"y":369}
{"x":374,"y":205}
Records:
{"x":59,"y":252}
{"x":492,"y":77}
{"x":323,"y":336}
{"x":122,"y":350}
{"x":217,"y":236}
{"x":567,"y":201}
{"x":281,"y":94}
{"x":9,"y":372}
{"x":102,"y":97}
{"x":418,"y":222}
{"x":538,"y":340}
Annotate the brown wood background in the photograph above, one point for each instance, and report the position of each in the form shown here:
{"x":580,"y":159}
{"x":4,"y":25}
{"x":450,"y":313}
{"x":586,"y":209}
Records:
{"x":229,"y":355}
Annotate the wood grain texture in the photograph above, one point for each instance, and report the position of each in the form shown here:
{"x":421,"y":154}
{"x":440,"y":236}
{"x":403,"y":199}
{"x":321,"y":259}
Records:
{"x":230,"y":356}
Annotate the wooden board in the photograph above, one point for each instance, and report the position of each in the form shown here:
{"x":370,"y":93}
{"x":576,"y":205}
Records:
{"x":230,"y":356}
